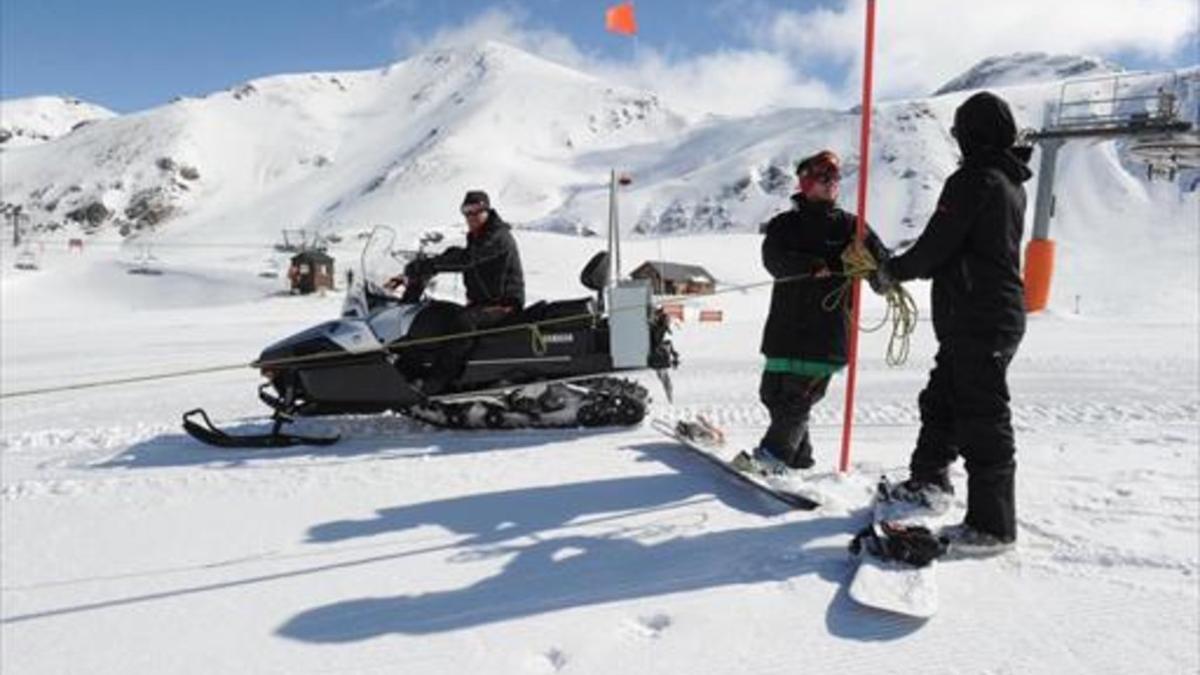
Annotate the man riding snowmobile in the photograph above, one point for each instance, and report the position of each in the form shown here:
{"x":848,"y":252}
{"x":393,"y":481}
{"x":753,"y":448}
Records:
{"x":491,"y":364}
{"x":495,"y":283}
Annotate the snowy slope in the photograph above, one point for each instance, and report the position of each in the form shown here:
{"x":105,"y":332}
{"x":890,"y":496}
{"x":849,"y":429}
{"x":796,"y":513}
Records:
{"x":129,"y":549}
{"x":341,"y":151}
{"x":35,"y":120}
{"x":314,"y":149}
{"x":1026,"y":67}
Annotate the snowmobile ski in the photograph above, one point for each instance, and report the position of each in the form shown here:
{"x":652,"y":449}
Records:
{"x":704,"y":440}
{"x":208,"y":433}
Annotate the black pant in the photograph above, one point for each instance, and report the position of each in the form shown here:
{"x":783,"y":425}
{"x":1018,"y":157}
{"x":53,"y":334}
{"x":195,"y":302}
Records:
{"x":450,"y":356}
{"x":482,"y":317}
{"x":964,"y":410}
{"x":789,"y":399}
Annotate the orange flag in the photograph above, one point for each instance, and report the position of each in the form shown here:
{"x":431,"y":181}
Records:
{"x":619,"y":19}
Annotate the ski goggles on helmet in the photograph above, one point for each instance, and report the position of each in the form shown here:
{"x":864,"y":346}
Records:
{"x":823,"y":167}
{"x":823,"y":171}
{"x":471,"y":211}
{"x":825,"y":174}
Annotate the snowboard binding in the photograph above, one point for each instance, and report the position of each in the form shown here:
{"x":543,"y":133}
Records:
{"x":912,"y":545}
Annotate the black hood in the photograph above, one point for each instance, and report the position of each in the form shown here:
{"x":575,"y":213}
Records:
{"x":984,"y":121}
{"x":1012,"y":161}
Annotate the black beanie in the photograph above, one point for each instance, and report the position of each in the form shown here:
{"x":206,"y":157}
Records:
{"x":477,"y":197}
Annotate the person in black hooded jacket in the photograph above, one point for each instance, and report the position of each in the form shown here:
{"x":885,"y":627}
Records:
{"x":805,"y":337}
{"x":971,"y":250}
{"x":495,"y":285}
{"x":490,"y":263}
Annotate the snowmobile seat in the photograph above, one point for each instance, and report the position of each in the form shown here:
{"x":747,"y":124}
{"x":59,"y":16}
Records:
{"x":557,"y":309}
{"x":557,"y":317}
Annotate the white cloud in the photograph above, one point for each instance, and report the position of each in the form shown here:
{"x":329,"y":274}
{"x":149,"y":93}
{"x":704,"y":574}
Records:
{"x":732,"y":82}
{"x":726,"y":82}
{"x":922,"y":43}
{"x":506,"y":25}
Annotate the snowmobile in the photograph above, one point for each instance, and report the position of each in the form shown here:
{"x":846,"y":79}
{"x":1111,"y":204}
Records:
{"x":553,"y":364}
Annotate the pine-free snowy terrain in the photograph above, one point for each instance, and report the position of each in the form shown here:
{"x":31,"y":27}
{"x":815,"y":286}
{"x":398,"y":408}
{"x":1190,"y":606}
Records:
{"x":129,"y":548}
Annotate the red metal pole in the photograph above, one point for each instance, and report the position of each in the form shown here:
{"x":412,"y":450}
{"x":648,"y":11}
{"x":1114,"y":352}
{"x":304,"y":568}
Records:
{"x":864,"y":145}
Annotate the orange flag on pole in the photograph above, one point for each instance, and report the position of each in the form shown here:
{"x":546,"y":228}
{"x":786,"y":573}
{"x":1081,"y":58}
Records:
{"x":619,"y":19}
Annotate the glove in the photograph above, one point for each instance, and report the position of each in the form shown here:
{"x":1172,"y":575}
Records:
{"x":881,"y":280}
{"x":419,"y":267}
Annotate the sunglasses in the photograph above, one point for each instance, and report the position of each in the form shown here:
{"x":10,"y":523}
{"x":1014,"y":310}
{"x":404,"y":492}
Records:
{"x":472,"y":211}
{"x":826,"y":175}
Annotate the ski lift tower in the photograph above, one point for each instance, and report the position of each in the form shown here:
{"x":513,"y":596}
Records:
{"x":1145,"y":108}
{"x":294,"y":241}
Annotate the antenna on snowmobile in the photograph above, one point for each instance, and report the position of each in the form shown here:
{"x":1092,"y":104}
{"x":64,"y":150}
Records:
{"x":614,"y":225}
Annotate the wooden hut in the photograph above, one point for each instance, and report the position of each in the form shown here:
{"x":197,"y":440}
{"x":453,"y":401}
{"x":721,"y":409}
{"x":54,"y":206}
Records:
{"x":668,"y":278}
{"x":310,"y":271}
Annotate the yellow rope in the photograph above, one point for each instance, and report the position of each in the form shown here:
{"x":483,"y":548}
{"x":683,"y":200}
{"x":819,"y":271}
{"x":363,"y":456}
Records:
{"x":902,"y":314}
{"x":901,"y":309}
{"x":537,"y":341}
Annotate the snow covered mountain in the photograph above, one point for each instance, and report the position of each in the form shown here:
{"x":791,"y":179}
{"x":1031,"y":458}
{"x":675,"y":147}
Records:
{"x":30,"y":121}
{"x":340,"y":152}
{"x":387,"y":145}
{"x":1027,"y":67}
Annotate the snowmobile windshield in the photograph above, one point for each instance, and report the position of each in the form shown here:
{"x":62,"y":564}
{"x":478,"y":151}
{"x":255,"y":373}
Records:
{"x":379,"y":261}
{"x":377,"y":265}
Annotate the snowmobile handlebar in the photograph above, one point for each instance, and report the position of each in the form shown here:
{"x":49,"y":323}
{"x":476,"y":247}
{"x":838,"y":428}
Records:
{"x":416,"y":276}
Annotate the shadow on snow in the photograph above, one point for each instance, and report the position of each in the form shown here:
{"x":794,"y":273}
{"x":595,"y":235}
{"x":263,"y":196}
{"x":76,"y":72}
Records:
{"x":572,"y":570}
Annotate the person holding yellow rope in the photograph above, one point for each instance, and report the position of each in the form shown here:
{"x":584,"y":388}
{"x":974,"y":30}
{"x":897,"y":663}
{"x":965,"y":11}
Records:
{"x":971,"y":250}
{"x":804,"y":339}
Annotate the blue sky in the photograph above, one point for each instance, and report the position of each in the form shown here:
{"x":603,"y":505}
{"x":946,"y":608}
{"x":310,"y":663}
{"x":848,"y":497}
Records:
{"x":135,"y":54}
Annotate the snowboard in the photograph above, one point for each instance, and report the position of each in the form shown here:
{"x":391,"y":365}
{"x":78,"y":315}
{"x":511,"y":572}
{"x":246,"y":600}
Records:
{"x":897,"y":569}
{"x":706,"y":441}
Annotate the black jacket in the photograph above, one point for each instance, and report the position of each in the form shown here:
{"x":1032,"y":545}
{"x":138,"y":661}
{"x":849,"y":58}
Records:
{"x":971,"y":247}
{"x":490,"y":265}
{"x":802,"y":241}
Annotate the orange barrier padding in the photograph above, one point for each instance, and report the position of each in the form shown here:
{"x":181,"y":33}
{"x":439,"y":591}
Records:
{"x":711,"y":315}
{"x":1039,"y":269}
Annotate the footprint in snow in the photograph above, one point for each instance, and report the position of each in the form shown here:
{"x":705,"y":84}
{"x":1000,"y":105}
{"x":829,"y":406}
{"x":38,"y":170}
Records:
{"x":651,"y":626}
{"x":555,"y":658}
{"x":552,"y":660}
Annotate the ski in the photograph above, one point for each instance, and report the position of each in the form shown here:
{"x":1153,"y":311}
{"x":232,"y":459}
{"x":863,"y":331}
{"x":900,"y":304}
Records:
{"x":704,"y":440}
{"x":898,"y":556}
{"x":198,"y":425}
